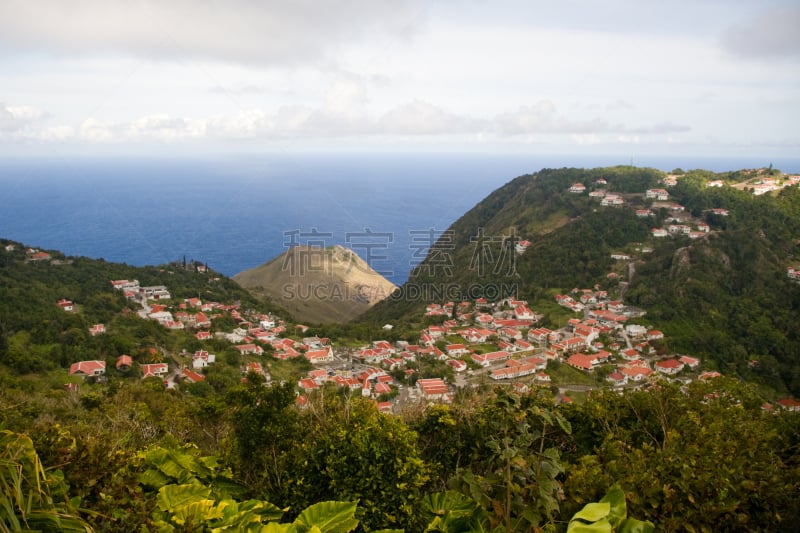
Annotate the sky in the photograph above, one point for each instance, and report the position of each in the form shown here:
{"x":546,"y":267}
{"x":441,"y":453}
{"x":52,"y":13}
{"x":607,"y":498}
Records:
{"x":700,"y":77}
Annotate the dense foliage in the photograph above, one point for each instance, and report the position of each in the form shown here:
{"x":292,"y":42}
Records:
{"x":703,"y":458}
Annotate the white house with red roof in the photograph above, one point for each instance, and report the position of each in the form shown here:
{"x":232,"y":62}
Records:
{"x":484,"y":319}
{"x":201,"y":320}
{"x":192,"y":376}
{"x":657,"y":194}
{"x":636,"y":330}
{"x":617,"y":378}
{"x":669,"y":367}
{"x":515,"y":369}
{"x":124,"y":363}
{"x":39,"y":256}
{"x":539,"y":335}
{"x":433,"y":388}
{"x":572,"y":345}
{"x":490,"y":358}
{"x":691,"y":362}
{"x":577,"y":188}
{"x":426,"y":339}
{"x":88,"y":368}
{"x":97,"y":329}
{"x":307,"y":384}
{"x":612,"y":200}
{"x":542,"y":378}
{"x":202,"y":359}
{"x":523,"y":345}
{"x":636,"y":373}
{"x":789,"y":404}
{"x":322,"y":355}
{"x":248,"y":349}
{"x":66,"y":305}
{"x":154,"y":370}
{"x":581,"y":361}
{"x":456,"y":350}
{"x":476,"y":335}
{"x":521,"y":312}
{"x":521,"y":246}
{"x":457,"y":364}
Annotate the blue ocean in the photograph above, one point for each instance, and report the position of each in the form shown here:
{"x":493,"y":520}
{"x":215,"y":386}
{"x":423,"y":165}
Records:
{"x":236,"y":212}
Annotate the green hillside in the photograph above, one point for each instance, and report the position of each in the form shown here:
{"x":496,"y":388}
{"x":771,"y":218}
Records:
{"x":724,"y":296}
{"x":37,"y":335}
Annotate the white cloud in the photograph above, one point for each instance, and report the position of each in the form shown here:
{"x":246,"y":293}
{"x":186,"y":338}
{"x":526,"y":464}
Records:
{"x":542,"y":117}
{"x":240,"y":31}
{"x":94,"y":131}
{"x":16,"y":121}
{"x":422,"y":118}
{"x":774,"y":32}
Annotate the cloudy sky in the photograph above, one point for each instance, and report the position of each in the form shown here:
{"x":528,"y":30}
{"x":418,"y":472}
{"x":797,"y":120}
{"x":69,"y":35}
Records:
{"x":709,"y":77}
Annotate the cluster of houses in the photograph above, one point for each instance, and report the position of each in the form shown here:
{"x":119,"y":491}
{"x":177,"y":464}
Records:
{"x":606,"y":198}
{"x":678,"y":222}
{"x":133,"y":291}
{"x":252,"y":332}
{"x":767,"y":184}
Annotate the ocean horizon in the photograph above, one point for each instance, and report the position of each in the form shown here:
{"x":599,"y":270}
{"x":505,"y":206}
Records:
{"x":237,"y":212}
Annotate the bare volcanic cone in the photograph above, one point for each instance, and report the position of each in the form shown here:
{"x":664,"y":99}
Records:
{"x":318,"y":285}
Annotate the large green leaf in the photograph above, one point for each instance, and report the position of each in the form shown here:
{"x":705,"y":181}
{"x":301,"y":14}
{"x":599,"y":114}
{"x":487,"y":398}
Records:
{"x":329,"y":517}
{"x":238,"y":515}
{"x":154,"y":478}
{"x":592,"y":512}
{"x":449,"y":502}
{"x":200,"y":511}
{"x":173,"y":496}
{"x":453,"y":512}
{"x":619,"y":510}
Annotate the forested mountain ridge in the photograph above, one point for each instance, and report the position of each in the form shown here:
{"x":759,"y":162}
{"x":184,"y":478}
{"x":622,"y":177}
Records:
{"x":724,"y":295}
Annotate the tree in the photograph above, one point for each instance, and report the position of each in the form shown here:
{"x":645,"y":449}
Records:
{"x":516,"y":476}
{"x":359,"y":454}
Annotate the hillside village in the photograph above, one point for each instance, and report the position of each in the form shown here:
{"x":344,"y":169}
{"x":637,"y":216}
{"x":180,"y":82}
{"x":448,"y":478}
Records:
{"x":475,"y":342}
